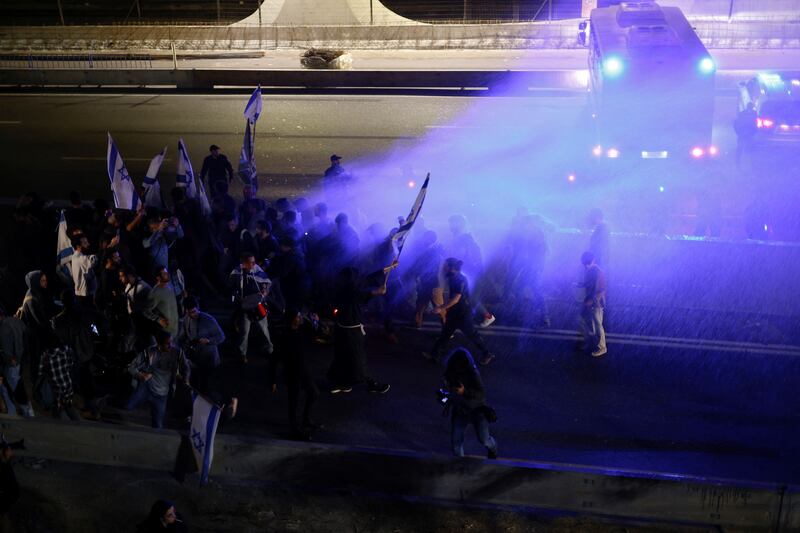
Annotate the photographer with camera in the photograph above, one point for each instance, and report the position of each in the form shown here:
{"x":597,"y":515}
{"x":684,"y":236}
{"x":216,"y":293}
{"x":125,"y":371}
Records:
{"x":465,"y":400}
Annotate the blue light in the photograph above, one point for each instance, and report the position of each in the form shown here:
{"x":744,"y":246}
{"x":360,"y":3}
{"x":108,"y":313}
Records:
{"x":707,"y":65}
{"x":613,"y":67}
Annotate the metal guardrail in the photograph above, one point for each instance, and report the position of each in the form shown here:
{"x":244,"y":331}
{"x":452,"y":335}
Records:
{"x":546,"y":35}
{"x":78,"y":61}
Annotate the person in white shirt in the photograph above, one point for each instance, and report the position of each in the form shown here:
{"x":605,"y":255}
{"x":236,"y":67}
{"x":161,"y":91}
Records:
{"x":82,"y":269}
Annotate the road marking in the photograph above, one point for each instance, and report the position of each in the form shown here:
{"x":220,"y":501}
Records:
{"x":638,"y":340}
{"x":83,"y":158}
{"x":10,"y":122}
{"x":452,"y":127}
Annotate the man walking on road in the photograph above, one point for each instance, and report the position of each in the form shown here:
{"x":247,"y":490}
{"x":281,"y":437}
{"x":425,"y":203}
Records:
{"x":458,"y":314}
{"x":217,"y":170}
{"x":594,"y":300}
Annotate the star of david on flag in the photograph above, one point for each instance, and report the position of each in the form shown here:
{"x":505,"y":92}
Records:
{"x":122,"y":187}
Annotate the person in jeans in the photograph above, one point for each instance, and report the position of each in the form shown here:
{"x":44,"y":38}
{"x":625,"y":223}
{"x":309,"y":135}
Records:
{"x":466,"y":402}
{"x":249,"y":286}
{"x":594,"y":301}
{"x":155,"y":370}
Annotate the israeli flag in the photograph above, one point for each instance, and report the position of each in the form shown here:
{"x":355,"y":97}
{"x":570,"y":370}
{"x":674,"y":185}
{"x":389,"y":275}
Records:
{"x":205,"y":417}
{"x":247,"y":161}
{"x":253,"y":108}
{"x":399,"y":238}
{"x":122,"y":187}
{"x":64,"y":248}
{"x":186,"y":178}
{"x":152,"y":189}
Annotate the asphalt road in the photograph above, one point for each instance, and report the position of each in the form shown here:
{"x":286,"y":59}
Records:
{"x":721,"y":411}
{"x":647,"y":406}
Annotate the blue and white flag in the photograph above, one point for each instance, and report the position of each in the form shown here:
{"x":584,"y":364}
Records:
{"x":205,"y":417}
{"x":247,"y":161}
{"x":152,"y":188}
{"x":186,"y":178}
{"x":64,"y":248}
{"x":253,"y":108}
{"x":125,"y":196}
{"x":399,"y":238}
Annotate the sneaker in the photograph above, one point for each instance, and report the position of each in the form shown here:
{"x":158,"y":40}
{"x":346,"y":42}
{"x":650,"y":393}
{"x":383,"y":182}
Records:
{"x":379,"y":388}
{"x":488,"y":358}
{"x":491,"y":454}
{"x":488,"y":320}
{"x":599,"y":353}
{"x":336,"y":389}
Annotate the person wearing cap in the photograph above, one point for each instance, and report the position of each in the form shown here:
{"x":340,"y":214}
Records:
{"x":336,"y":174}
{"x":217,"y":170}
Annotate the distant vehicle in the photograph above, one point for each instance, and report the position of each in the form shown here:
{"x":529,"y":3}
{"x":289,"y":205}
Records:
{"x":776,"y":99}
{"x":651,"y":82}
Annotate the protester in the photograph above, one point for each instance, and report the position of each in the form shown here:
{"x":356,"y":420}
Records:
{"x":162,"y":306}
{"x":12,"y":352}
{"x":466,"y":402}
{"x":83,"y":275}
{"x":290,"y":352}
{"x":216,"y":171}
{"x":200,"y":338}
{"x":163,"y":234}
{"x":349,"y":366}
{"x":163,"y":518}
{"x":249,"y":286}
{"x":594,"y":284}
{"x":458,"y":314}
{"x":156,"y":371}
{"x":55,"y":368}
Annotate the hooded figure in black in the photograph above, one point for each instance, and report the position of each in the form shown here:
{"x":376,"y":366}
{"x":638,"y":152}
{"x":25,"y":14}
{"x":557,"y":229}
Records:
{"x":349,"y":365}
{"x":36,"y":311}
{"x":163,"y":518}
{"x":290,"y":351}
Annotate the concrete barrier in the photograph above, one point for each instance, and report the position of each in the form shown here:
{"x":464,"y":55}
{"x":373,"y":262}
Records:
{"x":528,"y":485}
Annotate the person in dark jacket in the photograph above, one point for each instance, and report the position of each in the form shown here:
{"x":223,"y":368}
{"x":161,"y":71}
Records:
{"x":200,"y":337}
{"x":217,"y":171}
{"x":466,"y":402}
{"x":36,"y":311}
{"x":349,"y":365}
{"x":290,"y":352}
{"x":163,"y":518}
{"x":74,"y":329}
{"x":458,"y":314}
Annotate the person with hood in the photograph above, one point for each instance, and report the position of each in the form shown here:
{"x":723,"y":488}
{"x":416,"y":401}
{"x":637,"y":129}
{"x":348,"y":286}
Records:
{"x":349,"y":365}
{"x":36,"y":311}
{"x":163,"y":518}
{"x":466,"y":402}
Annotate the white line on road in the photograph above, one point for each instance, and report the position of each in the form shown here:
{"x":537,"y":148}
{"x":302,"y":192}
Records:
{"x":10,"y":122}
{"x":641,"y":340}
{"x":83,"y":158}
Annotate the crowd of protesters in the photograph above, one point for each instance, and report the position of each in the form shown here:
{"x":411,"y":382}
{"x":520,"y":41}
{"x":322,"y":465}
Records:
{"x":135,"y":291}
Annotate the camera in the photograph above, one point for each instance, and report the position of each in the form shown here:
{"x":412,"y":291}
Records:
{"x":442,"y":396}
